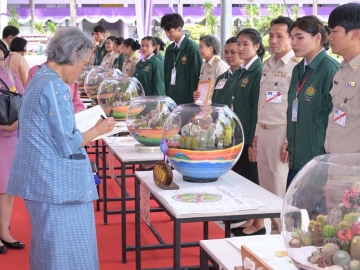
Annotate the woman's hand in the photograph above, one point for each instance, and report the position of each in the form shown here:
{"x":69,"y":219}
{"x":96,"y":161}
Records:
{"x":105,"y":125}
{"x":284,"y":155}
{"x":252,"y":154}
{"x":196,"y":95}
{"x":11,"y":127}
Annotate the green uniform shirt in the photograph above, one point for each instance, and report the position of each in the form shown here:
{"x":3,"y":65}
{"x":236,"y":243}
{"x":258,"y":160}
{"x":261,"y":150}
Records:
{"x":245,"y":97}
{"x":150,"y":74}
{"x":119,"y":62}
{"x":187,"y":71}
{"x":160,"y":56}
{"x":223,"y":95}
{"x":306,"y":137}
{"x":99,"y":54}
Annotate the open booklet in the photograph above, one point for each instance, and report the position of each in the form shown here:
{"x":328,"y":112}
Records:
{"x":88,"y":118}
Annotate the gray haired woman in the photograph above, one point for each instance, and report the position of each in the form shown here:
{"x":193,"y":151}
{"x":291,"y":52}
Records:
{"x":51,"y":170}
{"x":213,"y":66}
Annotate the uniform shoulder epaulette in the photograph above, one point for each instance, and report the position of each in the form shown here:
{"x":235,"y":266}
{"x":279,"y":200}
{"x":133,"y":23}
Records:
{"x":297,"y":59}
{"x":217,"y":59}
{"x":266,"y":59}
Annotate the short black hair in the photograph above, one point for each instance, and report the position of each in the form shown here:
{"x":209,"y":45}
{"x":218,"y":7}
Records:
{"x":346,"y":16}
{"x":283,"y":20}
{"x":255,"y":37}
{"x":312,"y":25}
{"x":10,"y":30}
{"x":18,"y":44}
{"x":153,"y":42}
{"x":134,"y":44}
{"x":231,"y":40}
{"x":99,"y":29}
{"x":173,"y":20}
{"x":160,"y":42}
{"x":119,"y":40}
{"x":112,"y":38}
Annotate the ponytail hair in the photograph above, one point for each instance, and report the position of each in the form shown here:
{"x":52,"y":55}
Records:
{"x":134,"y":44}
{"x":256,"y":39}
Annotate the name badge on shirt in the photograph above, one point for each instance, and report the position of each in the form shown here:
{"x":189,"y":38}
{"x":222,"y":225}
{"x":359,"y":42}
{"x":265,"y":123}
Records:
{"x":220,"y":84}
{"x":173,"y":76}
{"x":294,"y":110}
{"x":273,"y":96}
{"x":350,"y":84}
{"x":339,"y":117}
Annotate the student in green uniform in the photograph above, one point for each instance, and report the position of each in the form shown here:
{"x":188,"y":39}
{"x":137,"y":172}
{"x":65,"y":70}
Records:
{"x":182,"y":61}
{"x":160,"y":46}
{"x":100,"y":51}
{"x":244,"y":101}
{"x":309,"y":100}
{"x":119,"y":60}
{"x":150,"y":70}
{"x":222,"y":90}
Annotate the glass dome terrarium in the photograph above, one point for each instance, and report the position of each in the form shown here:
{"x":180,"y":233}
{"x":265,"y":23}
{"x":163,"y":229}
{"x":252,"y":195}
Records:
{"x":321,"y":214}
{"x":95,"y":77}
{"x":203,"y":141}
{"x":115,"y":93}
{"x":81,"y":80}
{"x":145,"y":118}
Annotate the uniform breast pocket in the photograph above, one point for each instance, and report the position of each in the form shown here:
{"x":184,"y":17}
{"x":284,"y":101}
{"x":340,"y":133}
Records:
{"x":349,"y":101}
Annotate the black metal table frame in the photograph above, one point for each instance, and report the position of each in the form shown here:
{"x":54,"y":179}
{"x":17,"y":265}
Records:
{"x":204,"y":258}
{"x":125,"y":196}
{"x":177,"y":228}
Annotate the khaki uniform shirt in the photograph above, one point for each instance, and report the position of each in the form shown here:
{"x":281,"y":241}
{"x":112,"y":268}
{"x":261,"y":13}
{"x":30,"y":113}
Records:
{"x":279,"y":74}
{"x":129,"y":65}
{"x":108,"y":60}
{"x":211,"y":70}
{"x":345,"y":95}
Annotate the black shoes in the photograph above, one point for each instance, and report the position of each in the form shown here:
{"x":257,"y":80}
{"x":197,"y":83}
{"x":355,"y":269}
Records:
{"x":240,"y":232}
{"x":3,"y":250}
{"x":13,"y":245}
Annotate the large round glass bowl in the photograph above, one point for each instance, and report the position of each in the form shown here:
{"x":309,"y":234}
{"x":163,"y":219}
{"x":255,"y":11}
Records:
{"x":81,"y":80}
{"x":116,"y":93}
{"x":95,"y":77}
{"x":146,"y":116}
{"x":203,"y":141}
{"x":321,"y":214}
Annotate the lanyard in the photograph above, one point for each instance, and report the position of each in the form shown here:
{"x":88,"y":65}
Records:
{"x":300,"y":86}
{"x":175,"y":59}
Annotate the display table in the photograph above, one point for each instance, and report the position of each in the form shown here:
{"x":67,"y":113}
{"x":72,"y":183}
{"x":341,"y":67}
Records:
{"x":224,"y":254}
{"x":230,"y":181}
{"x":124,"y":150}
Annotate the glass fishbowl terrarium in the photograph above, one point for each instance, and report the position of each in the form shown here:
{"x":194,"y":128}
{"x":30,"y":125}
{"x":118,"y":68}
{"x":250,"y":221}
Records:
{"x":81,"y":80}
{"x":146,"y":116}
{"x":115,"y":93}
{"x":95,"y":77}
{"x":203,"y":141}
{"x":321,"y":214}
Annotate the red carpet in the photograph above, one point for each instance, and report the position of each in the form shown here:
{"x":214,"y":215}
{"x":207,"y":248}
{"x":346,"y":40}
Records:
{"x":109,"y":237}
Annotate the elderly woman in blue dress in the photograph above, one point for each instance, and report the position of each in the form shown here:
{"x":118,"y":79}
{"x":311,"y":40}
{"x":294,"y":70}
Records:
{"x":51,"y":170}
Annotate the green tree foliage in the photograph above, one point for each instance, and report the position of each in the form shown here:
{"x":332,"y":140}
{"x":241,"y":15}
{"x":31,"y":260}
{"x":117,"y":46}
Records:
{"x":39,"y":28}
{"x":14,"y":18}
{"x":197,"y":30}
{"x":295,"y":11}
{"x":52,"y":27}
{"x":210,"y":20}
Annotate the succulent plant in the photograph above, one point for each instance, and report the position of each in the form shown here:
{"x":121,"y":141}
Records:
{"x":335,"y":216}
{"x":296,"y":234}
{"x":328,"y":231}
{"x":316,"y":235}
{"x":295,"y":243}
{"x":306,"y":238}
{"x":321,"y":219}
{"x":330,"y":249}
{"x":356,"y":228}
{"x":355,"y":247}
{"x":315,"y":256}
{"x":324,"y":262}
{"x":354,"y":265}
{"x":333,"y":240}
{"x":311,"y":224}
{"x":345,"y":234}
{"x":341,"y":258}
{"x":344,"y":225}
{"x":353,"y":217}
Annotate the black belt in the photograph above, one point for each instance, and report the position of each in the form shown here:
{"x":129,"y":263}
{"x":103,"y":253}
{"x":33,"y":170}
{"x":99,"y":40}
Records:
{"x":77,"y":156}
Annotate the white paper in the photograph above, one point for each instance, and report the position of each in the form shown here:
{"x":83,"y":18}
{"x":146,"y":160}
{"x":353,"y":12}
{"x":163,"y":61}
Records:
{"x":88,"y":118}
{"x":206,"y":199}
